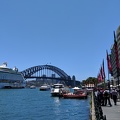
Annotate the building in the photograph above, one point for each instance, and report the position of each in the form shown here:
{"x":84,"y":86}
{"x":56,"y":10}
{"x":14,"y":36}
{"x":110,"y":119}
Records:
{"x":115,"y":71}
{"x":118,"y":41}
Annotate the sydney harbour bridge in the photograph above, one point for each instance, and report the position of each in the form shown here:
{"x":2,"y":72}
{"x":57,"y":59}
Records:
{"x":49,"y":74}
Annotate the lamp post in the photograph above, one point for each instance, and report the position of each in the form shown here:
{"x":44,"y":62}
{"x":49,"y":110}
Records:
{"x":119,"y":89}
{"x":112,"y":81}
{"x":118,"y":81}
{"x":111,"y":86}
{"x":108,"y":85}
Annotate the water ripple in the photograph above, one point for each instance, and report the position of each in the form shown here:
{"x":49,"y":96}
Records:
{"x":32,"y":104}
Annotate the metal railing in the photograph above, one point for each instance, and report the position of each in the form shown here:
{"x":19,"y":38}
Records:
{"x":98,"y":109}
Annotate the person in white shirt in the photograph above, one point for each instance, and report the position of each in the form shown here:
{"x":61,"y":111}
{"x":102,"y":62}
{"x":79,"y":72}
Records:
{"x":114,"y":96}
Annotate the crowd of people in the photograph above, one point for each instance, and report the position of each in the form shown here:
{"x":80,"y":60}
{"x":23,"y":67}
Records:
{"x":104,"y":96}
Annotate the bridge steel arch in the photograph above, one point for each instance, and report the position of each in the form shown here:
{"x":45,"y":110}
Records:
{"x":32,"y":70}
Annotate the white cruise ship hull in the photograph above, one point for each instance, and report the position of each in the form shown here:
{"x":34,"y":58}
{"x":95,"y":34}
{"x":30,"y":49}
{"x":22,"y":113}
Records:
{"x":9,"y":85}
{"x":11,"y":78}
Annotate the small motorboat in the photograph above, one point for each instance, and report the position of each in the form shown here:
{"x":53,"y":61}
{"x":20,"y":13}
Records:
{"x":45,"y":87}
{"x":77,"y":94}
{"x":32,"y":87}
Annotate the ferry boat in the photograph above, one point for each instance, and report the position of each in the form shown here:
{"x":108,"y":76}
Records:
{"x":11,"y":78}
{"x":59,"y":89}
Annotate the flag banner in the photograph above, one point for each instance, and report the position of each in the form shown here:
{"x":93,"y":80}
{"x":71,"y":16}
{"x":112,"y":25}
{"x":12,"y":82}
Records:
{"x":103,"y":70}
{"x":101,"y":73}
{"x":109,"y":63}
{"x":99,"y":77}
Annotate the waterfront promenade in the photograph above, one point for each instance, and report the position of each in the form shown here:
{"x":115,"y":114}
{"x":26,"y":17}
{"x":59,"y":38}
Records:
{"x":112,"y":113}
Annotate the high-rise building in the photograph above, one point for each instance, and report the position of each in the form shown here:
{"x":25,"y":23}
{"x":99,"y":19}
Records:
{"x":113,"y":64}
{"x":118,"y":41}
{"x":115,"y":70}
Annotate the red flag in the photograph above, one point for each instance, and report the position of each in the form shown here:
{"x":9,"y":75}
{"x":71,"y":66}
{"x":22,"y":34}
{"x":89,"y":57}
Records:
{"x":103,"y":70}
{"x":99,"y":77}
{"x":109,"y":63}
{"x":101,"y":73}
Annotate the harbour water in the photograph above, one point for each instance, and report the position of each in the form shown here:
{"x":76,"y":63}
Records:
{"x":32,"y":104}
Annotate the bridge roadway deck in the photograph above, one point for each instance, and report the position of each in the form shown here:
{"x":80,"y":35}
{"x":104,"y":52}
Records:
{"x":112,"y":113}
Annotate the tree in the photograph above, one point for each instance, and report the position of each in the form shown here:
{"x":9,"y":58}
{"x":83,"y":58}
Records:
{"x":83,"y":82}
{"x":90,"y":80}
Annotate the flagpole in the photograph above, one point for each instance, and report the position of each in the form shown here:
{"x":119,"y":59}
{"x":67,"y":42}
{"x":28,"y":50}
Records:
{"x":109,"y":69}
{"x":108,"y":75}
{"x":103,"y":73}
{"x":108,"y":80}
{"x":104,"y":83}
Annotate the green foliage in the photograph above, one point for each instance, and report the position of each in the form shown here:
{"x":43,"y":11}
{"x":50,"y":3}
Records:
{"x":90,"y":80}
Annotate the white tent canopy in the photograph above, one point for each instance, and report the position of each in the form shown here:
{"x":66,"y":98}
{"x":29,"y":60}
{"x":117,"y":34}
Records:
{"x":76,"y":88}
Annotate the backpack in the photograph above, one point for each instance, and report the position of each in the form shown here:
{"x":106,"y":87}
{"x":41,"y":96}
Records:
{"x":106,"y":94}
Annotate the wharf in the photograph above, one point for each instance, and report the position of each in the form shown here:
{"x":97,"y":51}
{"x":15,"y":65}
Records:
{"x":113,"y":112}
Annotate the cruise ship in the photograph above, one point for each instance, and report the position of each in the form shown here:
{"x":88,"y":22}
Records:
{"x":11,"y":78}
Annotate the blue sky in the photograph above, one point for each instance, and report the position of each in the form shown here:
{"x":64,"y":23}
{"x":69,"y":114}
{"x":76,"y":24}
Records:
{"x":72,"y":35}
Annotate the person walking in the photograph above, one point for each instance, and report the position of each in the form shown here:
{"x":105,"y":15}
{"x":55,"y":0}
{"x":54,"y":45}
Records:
{"x":114,"y":96}
{"x":100,"y":97}
{"x":106,"y":94}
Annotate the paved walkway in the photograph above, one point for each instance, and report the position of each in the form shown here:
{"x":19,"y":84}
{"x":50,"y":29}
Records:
{"x":112,"y":113}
